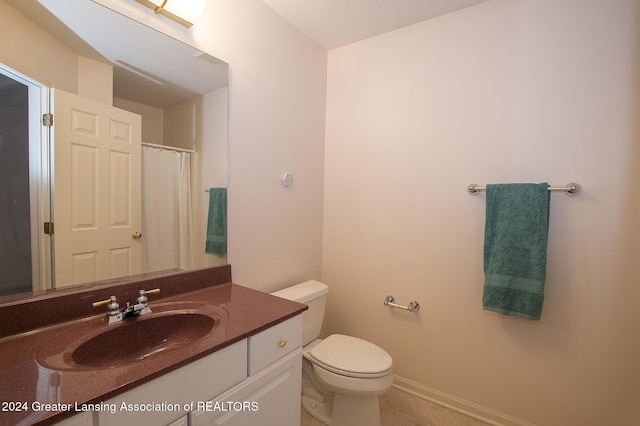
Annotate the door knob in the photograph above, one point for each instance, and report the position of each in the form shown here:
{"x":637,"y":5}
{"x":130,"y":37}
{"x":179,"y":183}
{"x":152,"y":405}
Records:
{"x":136,"y":235}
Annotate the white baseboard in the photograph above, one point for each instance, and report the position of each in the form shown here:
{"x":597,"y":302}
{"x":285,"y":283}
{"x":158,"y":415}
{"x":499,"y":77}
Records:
{"x":456,"y":404}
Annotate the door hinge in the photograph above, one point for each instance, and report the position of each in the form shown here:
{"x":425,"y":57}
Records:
{"x":48,"y":228}
{"x":47,"y":119}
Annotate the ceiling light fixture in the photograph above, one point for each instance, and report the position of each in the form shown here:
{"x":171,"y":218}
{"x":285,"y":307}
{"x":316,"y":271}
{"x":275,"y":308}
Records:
{"x":185,"y":12}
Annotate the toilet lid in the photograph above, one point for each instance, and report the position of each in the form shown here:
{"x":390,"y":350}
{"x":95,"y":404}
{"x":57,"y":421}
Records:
{"x":351,"y":356}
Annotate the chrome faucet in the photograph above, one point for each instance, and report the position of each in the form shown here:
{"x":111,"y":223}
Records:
{"x":115,"y":314}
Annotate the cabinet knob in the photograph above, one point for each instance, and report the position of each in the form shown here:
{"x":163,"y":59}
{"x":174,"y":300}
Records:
{"x":283,"y":343}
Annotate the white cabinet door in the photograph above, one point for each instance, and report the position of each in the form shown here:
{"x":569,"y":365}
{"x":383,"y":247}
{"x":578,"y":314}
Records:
{"x":82,"y":419}
{"x":179,"y":390}
{"x":97,"y":192}
{"x":270,"y":398}
{"x":182,"y":421}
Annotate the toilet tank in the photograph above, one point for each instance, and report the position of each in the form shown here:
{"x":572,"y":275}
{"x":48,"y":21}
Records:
{"x":314,"y":295}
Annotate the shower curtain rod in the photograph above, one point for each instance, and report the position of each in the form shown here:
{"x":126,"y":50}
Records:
{"x":167,"y":148}
{"x":569,"y":189}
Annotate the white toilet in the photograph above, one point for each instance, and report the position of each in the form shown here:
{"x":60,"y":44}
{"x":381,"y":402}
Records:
{"x":342,"y":376}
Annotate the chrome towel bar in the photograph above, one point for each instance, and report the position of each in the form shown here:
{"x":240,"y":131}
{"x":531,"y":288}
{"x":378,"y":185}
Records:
{"x":569,"y":189}
{"x":413,"y":305}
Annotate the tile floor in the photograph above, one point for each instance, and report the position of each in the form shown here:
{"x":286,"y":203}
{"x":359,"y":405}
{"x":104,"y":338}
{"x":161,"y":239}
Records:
{"x":399,"y":408}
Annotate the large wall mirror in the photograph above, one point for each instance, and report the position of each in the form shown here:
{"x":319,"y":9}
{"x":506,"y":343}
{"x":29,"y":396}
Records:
{"x":109,"y":75}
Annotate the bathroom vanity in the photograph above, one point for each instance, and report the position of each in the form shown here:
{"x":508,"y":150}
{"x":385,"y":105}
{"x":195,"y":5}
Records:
{"x":219,"y":354}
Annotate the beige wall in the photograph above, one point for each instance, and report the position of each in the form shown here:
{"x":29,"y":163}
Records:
{"x":180,"y":123}
{"x":152,"y":119}
{"x":95,"y":80}
{"x":53,"y":64}
{"x":33,"y":52}
{"x":507,"y":91}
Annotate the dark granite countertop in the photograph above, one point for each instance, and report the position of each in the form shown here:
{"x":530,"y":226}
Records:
{"x":26,"y":381}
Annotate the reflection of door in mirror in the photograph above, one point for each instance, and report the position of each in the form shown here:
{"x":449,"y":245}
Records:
{"x":97,"y":190}
{"x":23,"y":202}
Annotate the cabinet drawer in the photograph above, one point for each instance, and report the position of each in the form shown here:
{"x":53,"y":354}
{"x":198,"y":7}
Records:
{"x":268,"y":346}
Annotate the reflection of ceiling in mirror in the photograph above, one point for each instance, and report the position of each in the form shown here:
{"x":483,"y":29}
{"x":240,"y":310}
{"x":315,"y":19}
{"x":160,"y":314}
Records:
{"x":145,"y":60}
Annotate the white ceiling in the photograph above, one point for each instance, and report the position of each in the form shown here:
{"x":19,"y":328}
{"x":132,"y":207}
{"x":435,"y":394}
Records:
{"x":335,"y":23}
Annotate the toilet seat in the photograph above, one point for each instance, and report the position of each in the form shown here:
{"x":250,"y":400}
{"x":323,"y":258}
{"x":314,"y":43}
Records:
{"x":350,"y":356}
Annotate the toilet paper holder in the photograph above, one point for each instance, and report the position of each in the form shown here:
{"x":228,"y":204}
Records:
{"x":413,"y":305}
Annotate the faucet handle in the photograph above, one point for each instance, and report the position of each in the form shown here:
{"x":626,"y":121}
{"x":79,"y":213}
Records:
{"x":143,"y":295}
{"x":113,"y":308}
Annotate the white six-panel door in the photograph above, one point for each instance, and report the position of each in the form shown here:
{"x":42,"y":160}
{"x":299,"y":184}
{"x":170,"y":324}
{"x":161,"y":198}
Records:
{"x":97,"y":192}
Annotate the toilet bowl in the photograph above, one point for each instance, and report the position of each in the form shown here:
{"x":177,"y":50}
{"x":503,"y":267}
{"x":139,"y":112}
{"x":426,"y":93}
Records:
{"x":342,"y":376}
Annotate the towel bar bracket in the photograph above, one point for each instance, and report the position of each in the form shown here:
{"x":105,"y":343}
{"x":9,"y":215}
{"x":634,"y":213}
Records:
{"x":413,"y":305}
{"x":569,"y":189}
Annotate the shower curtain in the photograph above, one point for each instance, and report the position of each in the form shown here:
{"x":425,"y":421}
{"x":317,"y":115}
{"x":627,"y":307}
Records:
{"x":166,"y":209}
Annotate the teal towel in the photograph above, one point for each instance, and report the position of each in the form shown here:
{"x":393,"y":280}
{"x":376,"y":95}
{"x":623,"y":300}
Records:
{"x":217,"y":222}
{"x":515,"y":248}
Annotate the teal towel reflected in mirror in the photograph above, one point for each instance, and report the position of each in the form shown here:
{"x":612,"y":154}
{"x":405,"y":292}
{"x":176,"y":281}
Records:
{"x":515,"y":248}
{"x":216,"y":242}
